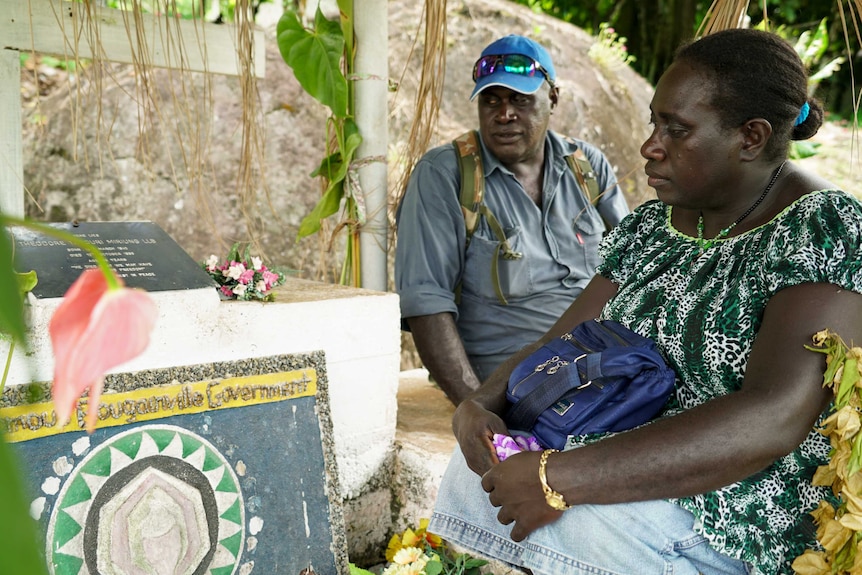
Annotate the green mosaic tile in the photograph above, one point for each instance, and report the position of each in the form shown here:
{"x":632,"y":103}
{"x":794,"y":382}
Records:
{"x":67,"y":564}
{"x":211,"y":461}
{"x":65,"y":529}
{"x":233,"y":513}
{"x":227,"y":485}
{"x":77,"y":492}
{"x":129,"y":444}
{"x":233,"y":543}
{"x":162,"y":437}
{"x":100,"y":464}
{"x":190,"y":445}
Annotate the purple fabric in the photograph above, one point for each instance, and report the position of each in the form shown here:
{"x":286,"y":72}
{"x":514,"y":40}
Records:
{"x":506,"y":445}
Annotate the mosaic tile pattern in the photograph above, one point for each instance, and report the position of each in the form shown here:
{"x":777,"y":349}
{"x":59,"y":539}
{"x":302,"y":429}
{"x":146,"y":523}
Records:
{"x":155,"y":499}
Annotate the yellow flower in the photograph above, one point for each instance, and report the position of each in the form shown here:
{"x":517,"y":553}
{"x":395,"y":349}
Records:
{"x":811,"y":563}
{"x":433,"y":540}
{"x":852,"y":521}
{"x":408,"y":555}
{"x":412,"y":538}
{"x":838,"y":531}
{"x":844,"y":423}
{"x":825,"y":476}
{"x":833,"y":535}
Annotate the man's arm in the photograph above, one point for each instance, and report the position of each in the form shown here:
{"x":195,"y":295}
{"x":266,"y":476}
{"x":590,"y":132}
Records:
{"x":442,"y":352}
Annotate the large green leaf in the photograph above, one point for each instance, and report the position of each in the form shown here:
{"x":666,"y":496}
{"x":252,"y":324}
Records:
{"x":334,"y":166}
{"x":331,"y":168}
{"x":19,"y":548}
{"x":327,"y":206}
{"x":26,"y":281}
{"x":352,"y":139}
{"x":11,"y":304}
{"x":315,"y":57}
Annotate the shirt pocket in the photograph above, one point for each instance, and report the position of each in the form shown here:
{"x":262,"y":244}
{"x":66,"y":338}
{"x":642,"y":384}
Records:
{"x":589,"y":228}
{"x":515,"y":278}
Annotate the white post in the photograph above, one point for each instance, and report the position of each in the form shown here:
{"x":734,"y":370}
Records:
{"x":371,"y":68}
{"x":11,"y":154}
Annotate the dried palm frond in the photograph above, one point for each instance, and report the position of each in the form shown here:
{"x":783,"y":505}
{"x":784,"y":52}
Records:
{"x":428,"y":97}
{"x":178,"y":118}
{"x":723,"y":15}
{"x":853,"y":9}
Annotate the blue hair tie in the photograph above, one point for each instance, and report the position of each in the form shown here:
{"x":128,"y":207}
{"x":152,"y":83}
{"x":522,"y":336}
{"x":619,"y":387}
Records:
{"x":803,"y":114}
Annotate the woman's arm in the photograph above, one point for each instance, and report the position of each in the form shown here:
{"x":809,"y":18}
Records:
{"x":710,"y":446}
{"x":479,"y":417}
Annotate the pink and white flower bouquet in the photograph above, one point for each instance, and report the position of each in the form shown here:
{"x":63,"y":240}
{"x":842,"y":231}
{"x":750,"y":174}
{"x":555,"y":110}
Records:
{"x":243,"y":276}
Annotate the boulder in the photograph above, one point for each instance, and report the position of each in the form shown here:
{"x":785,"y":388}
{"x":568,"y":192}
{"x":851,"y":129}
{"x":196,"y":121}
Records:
{"x":105,"y":151}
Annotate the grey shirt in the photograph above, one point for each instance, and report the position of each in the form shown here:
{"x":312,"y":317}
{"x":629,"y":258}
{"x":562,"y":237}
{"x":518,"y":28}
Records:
{"x":559,"y":243}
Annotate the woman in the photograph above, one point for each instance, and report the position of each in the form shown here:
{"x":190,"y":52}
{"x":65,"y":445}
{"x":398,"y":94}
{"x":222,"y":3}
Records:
{"x":740,"y":261}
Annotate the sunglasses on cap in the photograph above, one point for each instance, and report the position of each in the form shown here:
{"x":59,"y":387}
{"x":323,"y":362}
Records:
{"x":511,"y":63}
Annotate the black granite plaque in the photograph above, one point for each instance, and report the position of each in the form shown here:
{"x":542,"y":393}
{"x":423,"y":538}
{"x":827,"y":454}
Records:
{"x":225,"y":468}
{"x":140,"y":252}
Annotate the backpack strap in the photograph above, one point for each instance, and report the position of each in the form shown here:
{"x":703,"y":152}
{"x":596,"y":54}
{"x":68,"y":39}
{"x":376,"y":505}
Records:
{"x":472,"y":206}
{"x":472,"y":178}
{"x":586,"y":177}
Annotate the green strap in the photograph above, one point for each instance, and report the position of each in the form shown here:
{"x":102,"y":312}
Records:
{"x":472,"y":178}
{"x":503,"y":250}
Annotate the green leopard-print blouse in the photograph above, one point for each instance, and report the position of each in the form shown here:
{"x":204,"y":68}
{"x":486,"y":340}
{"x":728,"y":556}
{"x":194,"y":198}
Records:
{"x":704,"y":312}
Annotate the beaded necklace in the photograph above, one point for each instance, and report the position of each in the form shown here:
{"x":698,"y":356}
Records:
{"x":705,"y":244}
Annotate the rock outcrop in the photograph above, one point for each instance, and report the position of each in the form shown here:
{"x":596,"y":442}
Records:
{"x":88,"y":155}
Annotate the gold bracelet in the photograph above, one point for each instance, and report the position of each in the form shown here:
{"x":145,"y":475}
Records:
{"x":552,"y":498}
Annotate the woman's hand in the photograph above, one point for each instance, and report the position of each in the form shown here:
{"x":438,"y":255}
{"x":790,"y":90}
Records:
{"x":474,"y":428}
{"x":514,"y":487}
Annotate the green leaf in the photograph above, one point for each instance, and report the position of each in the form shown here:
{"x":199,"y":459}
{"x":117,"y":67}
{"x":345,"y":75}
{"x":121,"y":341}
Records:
{"x":11,"y":304}
{"x":19,"y":545}
{"x":331,"y":168}
{"x":233,"y":254}
{"x":315,"y":57}
{"x":26,"y":281}
{"x":800,"y":149}
{"x":354,"y":570}
{"x":352,"y":139}
{"x":327,"y":206}
{"x":334,"y":167}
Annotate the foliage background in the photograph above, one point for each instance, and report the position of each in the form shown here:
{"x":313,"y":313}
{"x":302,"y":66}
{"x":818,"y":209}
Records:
{"x":653,"y":29}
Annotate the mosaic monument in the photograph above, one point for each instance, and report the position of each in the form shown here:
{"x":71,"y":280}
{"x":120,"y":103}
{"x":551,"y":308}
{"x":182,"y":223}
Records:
{"x":214,"y":469}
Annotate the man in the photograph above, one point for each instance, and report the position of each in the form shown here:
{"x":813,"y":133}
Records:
{"x":471,"y":302}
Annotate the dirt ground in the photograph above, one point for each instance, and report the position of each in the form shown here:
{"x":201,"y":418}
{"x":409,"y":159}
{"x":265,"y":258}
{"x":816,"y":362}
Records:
{"x":838,"y":157}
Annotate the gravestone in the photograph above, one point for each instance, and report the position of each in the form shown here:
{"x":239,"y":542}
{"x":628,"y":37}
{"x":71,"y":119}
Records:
{"x":141,"y":253}
{"x":219,"y":469}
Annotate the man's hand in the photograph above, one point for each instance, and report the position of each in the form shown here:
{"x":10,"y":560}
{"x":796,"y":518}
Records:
{"x":474,"y":428}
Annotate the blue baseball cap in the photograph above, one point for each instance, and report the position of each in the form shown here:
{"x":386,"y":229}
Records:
{"x":525,"y":80}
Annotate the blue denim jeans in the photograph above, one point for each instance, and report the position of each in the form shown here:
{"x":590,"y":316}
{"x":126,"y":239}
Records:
{"x":644,"y":538}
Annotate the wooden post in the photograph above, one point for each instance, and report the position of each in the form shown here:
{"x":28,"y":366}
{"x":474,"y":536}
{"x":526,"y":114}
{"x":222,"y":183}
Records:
{"x":62,"y":29}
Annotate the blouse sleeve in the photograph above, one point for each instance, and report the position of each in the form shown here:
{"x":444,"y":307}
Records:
{"x":819,"y":243}
{"x":624,"y":243}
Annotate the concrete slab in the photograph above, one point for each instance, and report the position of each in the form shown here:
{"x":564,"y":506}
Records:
{"x":424,"y":442}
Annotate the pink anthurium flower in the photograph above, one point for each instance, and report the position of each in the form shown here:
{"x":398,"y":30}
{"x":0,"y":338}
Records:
{"x":97,"y":327}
